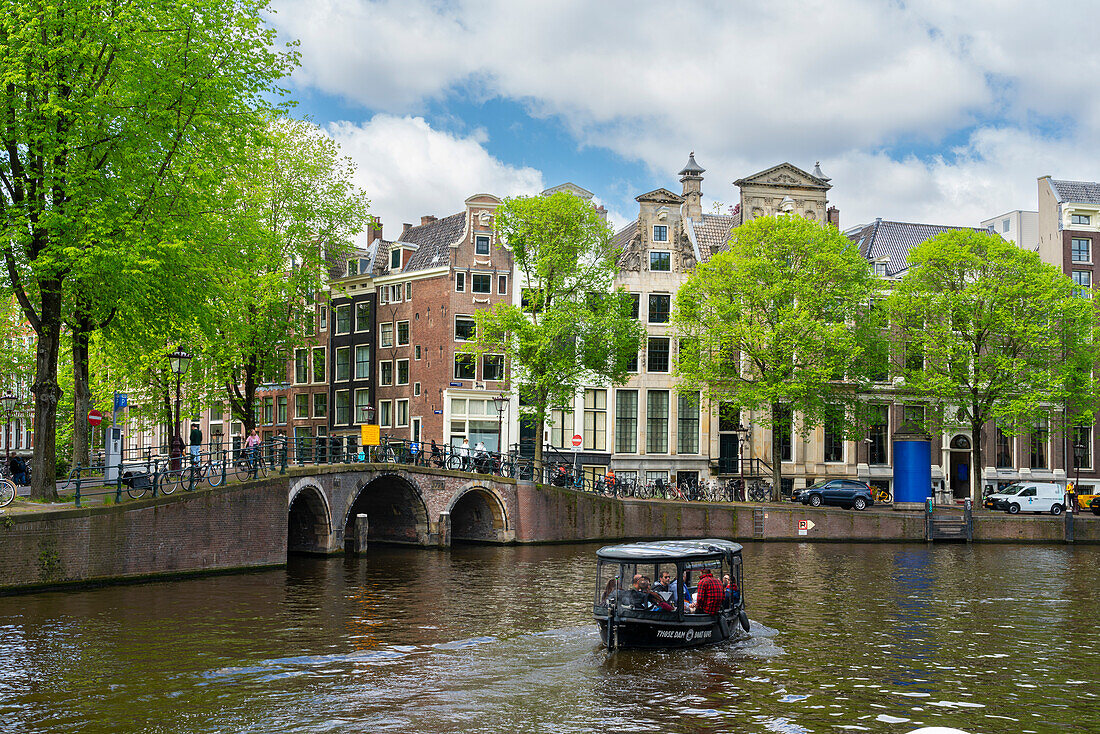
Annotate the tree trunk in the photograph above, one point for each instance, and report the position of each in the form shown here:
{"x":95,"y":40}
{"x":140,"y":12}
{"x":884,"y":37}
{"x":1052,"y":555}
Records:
{"x":47,"y":394}
{"x":777,"y":448}
{"x":82,"y":394}
{"x":976,"y":459}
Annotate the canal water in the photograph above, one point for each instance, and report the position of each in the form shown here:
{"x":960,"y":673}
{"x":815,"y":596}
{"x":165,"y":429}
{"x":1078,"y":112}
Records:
{"x":880,"y":638}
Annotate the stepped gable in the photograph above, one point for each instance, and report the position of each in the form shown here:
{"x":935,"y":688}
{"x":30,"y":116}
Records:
{"x":433,"y":241}
{"x":1082,"y":192}
{"x":883,"y":238}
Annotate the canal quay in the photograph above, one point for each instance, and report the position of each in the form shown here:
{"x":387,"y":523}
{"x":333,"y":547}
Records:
{"x":475,"y":638}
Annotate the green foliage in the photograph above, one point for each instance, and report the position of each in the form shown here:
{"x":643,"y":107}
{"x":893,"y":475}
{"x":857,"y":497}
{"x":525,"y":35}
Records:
{"x":572,"y":329}
{"x":119,"y":120}
{"x":780,"y":319}
{"x":1003,"y":335}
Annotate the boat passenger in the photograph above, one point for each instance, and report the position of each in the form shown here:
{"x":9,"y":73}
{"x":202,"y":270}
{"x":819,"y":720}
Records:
{"x":683,"y":588}
{"x":733,"y":594}
{"x":654,"y":601}
{"x":709,"y":595}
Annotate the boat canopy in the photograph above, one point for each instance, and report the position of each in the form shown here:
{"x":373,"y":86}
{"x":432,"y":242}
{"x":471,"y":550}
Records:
{"x":668,"y":550}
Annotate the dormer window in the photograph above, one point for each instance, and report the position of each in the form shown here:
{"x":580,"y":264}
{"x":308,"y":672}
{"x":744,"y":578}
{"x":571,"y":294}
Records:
{"x":880,"y":269}
{"x":481,"y":244}
{"x":660,"y":233}
{"x":1080,"y":219}
{"x":395,"y":259}
{"x":353,"y":267}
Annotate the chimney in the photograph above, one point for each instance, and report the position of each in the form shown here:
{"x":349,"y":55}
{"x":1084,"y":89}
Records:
{"x":691,"y":176}
{"x":405,"y":227}
{"x":832,"y":216}
{"x":427,"y":219}
{"x":374,"y":230}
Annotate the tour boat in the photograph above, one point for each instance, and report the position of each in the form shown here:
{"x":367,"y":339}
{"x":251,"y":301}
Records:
{"x":629,"y":616}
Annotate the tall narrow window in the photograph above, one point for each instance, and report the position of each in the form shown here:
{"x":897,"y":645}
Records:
{"x":660,"y":233}
{"x":465,"y":367}
{"x":481,"y":244}
{"x":343,"y":363}
{"x":834,"y":437}
{"x":785,"y":426}
{"x":343,"y":407}
{"x":595,"y":420}
{"x":362,"y":316}
{"x":1082,"y":442}
{"x":301,"y":405}
{"x":561,"y":432}
{"x":659,"y":307}
{"x":319,"y":364}
{"x":362,"y":362}
{"x":687,"y":423}
{"x":1081,"y":250}
{"x":1004,"y":450}
{"x":385,"y":334}
{"x":301,"y":366}
{"x":343,"y":319}
{"x":626,"y":421}
{"x":460,"y":282}
{"x":877,"y":435}
{"x":385,"y":373}
{"x":1083,"y":279}
{"x":1040,"y":437}
{"x":656,"y":426}
{"x":320,"y":405}
{"x":402,"y":333}
{"x":362,"y":403}
{"x":402,"y":372}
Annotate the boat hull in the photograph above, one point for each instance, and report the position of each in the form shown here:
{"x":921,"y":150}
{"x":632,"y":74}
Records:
{"x":632,"y":633}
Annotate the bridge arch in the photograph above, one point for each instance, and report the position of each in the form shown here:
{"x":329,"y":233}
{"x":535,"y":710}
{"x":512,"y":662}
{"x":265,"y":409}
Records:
{"x":395,"y":513}
{"x":478,"y":514}
{"x":309,"y":528}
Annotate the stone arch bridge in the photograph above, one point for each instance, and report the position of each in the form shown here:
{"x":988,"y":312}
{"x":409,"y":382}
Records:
{"x":342,"y":509}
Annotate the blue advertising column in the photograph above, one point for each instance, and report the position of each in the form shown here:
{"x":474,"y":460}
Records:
{"x":912,"y":469}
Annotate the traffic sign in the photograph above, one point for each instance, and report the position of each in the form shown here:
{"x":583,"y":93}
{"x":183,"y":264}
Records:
{"x":94,"y":417}
{"x":578,"y":439}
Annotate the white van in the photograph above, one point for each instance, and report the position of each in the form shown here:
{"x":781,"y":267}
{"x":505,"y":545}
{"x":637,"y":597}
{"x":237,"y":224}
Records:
{"x":1029,"y":497}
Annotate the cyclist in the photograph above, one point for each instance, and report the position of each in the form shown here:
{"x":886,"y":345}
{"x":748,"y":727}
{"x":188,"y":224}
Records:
{"x":252,"y":451}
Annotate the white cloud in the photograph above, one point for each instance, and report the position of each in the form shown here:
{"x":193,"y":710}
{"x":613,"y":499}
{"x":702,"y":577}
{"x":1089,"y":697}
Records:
{"x":409,"y":169}
{"x":746,"y":85}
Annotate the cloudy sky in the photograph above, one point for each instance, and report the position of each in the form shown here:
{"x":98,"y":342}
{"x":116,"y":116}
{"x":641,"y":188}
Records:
{"x":925,"y":110}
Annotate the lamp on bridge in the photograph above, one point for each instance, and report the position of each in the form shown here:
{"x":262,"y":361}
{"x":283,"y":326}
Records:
{"x":501,"y":402}
{"x":7,"y":404}
{"x":178,"y":362}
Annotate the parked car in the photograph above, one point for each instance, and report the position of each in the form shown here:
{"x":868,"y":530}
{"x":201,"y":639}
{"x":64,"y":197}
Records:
{"x":839,"y":492}
{"x":1029,"y":497}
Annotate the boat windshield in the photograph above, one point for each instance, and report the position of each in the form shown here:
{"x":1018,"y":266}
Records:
{"x":674,"y":583}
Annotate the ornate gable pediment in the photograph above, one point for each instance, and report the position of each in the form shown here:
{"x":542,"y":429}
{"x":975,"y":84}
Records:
{"x":784,"y":175}
{"x":659,"y":196}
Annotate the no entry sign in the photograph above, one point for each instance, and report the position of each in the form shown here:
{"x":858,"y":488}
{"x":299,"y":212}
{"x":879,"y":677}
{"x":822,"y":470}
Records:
{"x":94,"y":417}
{"x":577,"y":440}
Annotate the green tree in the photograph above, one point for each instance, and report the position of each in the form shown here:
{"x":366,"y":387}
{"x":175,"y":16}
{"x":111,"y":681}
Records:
{"x":779,"y":325}
{"x":291,"y":211}
{"x":572,"y":329}
{"x":116,"y":116}
{"x":991,"y":331}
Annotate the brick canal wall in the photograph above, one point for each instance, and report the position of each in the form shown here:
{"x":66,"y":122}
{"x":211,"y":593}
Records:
{"x":246,"y":525}
{"x":219,"y":529}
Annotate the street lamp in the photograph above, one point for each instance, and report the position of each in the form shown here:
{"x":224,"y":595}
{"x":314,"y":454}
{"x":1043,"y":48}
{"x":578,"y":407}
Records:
{"x":1078,"y":457}
{"x":501,"y":402}
{"x":178,"y":361}
{"x":8,"y":402}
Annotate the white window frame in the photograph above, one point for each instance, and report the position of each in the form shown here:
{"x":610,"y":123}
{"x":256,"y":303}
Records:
{"x":313,"y":363}
{"x":382,"y":342}
{"x":473,"y":276}
{"x":416,"y":389}
{"x":502,"y":368}
{"x":336,"y":319}
{"x":385,"y":413}
{"x":322,"y":318}
{"x":502,"y":284}
{"x":383,"y":294}
{"x":355,"y":317}
{"x":408,"y":290}
{"x":454,"y":370}
{"x":457,"y":317}
{"x":663,"y":227}
{"x":399,"y":420}
{"x":660,"y":252}
{"x":356,"y":362}
{"x":397,"y":372}
{"x":336,"y":411}
{"x":397,"y":333}
{"x":460,"y":282}
{"x":336,"y":365}
{"x":357,"y":418}
{"x":395,"y":265}
{"x":488,"y":244}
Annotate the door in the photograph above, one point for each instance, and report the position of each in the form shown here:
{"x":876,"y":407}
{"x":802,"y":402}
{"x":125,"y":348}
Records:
{"x":960,"y":474}
{"x":727,"y":453}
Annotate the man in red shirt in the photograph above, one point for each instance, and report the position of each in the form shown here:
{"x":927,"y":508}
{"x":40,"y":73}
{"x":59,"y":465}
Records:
{"x":709,"y":595}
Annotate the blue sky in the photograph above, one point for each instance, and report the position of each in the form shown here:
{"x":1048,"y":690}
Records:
{"x":930,"y":111}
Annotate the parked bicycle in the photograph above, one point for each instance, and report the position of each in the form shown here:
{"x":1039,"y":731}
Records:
{"x":251,"y":465}
{"x":759,"y":491}
{"x":881,"y":495}
{"x":7,"y":492}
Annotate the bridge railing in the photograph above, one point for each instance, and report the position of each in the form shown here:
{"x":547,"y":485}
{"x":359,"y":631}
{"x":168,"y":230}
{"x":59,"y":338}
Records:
{"x":138,"y":475}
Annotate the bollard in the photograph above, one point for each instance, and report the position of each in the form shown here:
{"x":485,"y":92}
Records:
{"x":78,"y":485}
{"x":968,"y":516}
{"x":156,"y":478}
{"x":118,"y":489}
{"x":362,"y":528}
{"x":1069,"y":522}
{"x":928,"y":519}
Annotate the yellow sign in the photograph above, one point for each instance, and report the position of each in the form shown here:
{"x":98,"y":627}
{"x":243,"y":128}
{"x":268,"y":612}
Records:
{"x":370,"y":436}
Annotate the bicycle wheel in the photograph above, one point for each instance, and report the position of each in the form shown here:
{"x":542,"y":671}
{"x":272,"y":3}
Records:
{"x":170,"y":481}
{"x":7,"y":492}
{"x":136,"y":485}
{"x":241,"y":469}
{"x":261,"y":467}
{"x":213,"y":472}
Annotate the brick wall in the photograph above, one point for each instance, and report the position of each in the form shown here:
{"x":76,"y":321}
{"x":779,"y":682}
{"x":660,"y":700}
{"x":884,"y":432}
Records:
{"x":220,"y":529}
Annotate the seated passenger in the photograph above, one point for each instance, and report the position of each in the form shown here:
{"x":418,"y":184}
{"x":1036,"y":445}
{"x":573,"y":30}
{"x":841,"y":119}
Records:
{"x":635,"y":597}
{"x":709,"y":595}
{"x":653,"y":600}
{"x":733,"y":594}
{"x":683,"y":589}
{"x":665,"y":588}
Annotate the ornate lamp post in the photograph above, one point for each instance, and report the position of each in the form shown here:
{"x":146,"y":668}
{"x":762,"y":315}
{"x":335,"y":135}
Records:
{"x":8,"y":404}
{"x":501,"y":402}
{"x":1078,"y":457}
{"x":178,"y":362}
